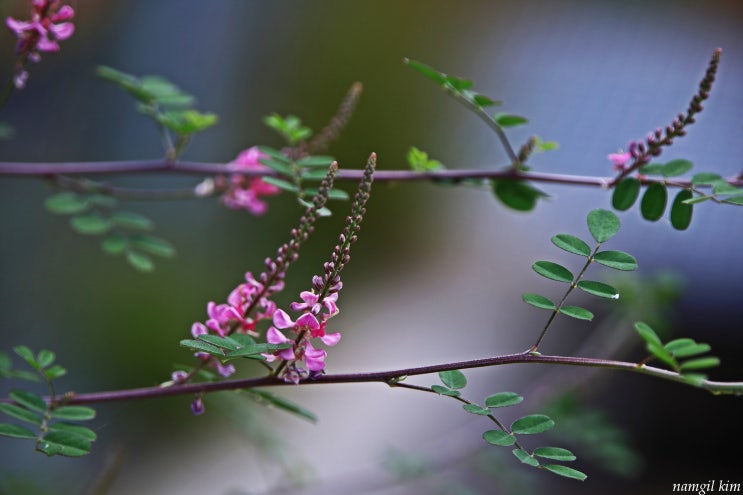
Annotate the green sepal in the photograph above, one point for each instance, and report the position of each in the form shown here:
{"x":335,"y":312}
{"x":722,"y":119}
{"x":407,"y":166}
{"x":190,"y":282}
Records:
{"x":499,"y":437}
{"x":534,"y":423}
{"x":538,"y":301}
{"x":602,"y":224}
{"x":571,"y":244}
{"x":553,"y":271}
{"x":625,"y":194}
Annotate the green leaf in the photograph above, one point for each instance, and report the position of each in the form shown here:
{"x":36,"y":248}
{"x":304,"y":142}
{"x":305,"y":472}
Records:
{"x":114,"y":244}
{"x":652,"y":169}
{"x":223,"y":342}
{"x":647,"y":333}
{"x":553,"y":271}
{"x":598,"y":289}
{"x":458,"y":84}
{"x":706,"y":179}
{"x":735,"y":200}
{"x":92,"y":224}
{"x":538,"y":301}
{"x":695,"y":379}
{"x":74,"y":413}
{"x":78,"y":430}
{"x":524,"y":457}
{"x":681,"y":210}
{"x":20,"y":413}
{"x":534,"y":423}
{"x":683,"y":348}
{"x":66,"y":203}
{"x":5,"y":363}
{"x":475,"y":409}
{"x":602,"y":224}
{"x":697,"y":199}
{"x":653,"y":202}
{"x":675,"y":168}
{"x":140,"y":261}
{"x":270,"y":399}
{"x":278,"y":166}
{"x":661,"y":353}
{"x":418,"y":160}
{"x":255,"y":350}
{"x":723,"y":188}
{"x":29,"y":400}
{"x":54,"y":372}
{"x":15,"y":431}
{"x":503,"y":399}
{"x":554,"y":453}
{"x":517,"y":195}
{"x":429,"y":72}
{"x":507,"y":120}
{"x":625,"y":194}
{"x":64,"y":443}
{"x":201,"y":346}
{"x":152,"y":245}
{"x":280,"y":183}
{"x":565,"y":471}
{"x":45,"y":358}
{"x":700,"y":363}
{"x":441,"y":390}
{"x":131,"y":220}
{"x":571,"y":244}
{"x":26,"y":354}
{"x":316,"y":161}
{"x":619,"y":260}
{"x":483,"y":101}
{"x":499,"y":437}
{"x":453,"y":379}
{"x":576,"y":312}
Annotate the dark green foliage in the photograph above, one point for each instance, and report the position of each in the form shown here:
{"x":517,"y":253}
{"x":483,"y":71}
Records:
{"x":654,"y":201}
{"x":681,"y":211}
{"x":517,"y":195}
{"x":625,"y":194}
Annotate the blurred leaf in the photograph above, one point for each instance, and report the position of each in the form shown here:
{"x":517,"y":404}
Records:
{"x":571,"y":244}
{"x":270,"y":399}
{"x":554,"y":453}
{"x":152,"y":245}
{"x":661,"y":353}
{"x":553,"y":271}
{"x":499,"y":437}
{"x":418,"y":161}
{"x":66,"y":203}
{"x":45,"y":358}
{"x":26,"y":354}
{"x":114,"y":243}
{"x":483,"y":101}
{"x":6,"y":131}
{"x":598,"y":289}
{"x":316,"y":161}
{"x":576,"y":312}
{"x":700,"y":363}
{"x":458,"y":84}
{"x":20,"y":413}
{"x":534,"y":423}
{"x":524,"y":457}
{"x":429,"y":72}
{"x":475,"y":409}
{"x":681,"y":211}
{"x":503,"y":399}
{"x":54,"y":372}
{"x":93,"y":224}
{"x":682,"y":348}
{"x":538,"y":301}
{"x":140,"y":261}
{"x":735,"y":200}
{"x":507,"y":120}
{"x":517,"y":195}
{"x":74,"y":413}
{"x":625,"y":194}
{"x":565,"y":471}
{"x":131,"y":220}
{"x":15,"y":431}
{"x":78,"y":430}
{"x":647,"y":333}
{"x":602,"y":224}
{"x":29,"y":400}
{"x":675,"y":168}
{"x":453,"y":379}
{"x":281,"y":184}
{"x":653,"y":202}
{"x":619,"y":260}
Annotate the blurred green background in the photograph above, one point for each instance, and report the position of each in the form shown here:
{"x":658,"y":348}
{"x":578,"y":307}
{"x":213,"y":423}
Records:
{"x":438,"y":272}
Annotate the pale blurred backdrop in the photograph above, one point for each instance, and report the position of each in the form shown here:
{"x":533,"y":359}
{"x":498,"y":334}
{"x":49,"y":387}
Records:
{"x":438,"y":272}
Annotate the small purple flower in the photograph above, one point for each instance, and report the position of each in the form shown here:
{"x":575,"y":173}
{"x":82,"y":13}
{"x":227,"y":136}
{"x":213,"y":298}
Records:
{"x":197,"y":406}
{"x":619,"y":159}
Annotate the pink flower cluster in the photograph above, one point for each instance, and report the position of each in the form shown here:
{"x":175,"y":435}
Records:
{"x":232,"y":317}
{"x":244,"y":192}
{"x":310,"y":325}
{"x":42,"y":33}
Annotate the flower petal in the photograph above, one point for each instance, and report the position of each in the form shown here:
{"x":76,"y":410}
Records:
{"x":282,"y":320}
{"x":331,"y":338}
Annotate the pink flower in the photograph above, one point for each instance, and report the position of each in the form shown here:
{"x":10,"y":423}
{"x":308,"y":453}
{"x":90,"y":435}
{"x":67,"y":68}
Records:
{"x":244,"y":192}
{"x":307,"y":322}
{"x":315,"y":358}
{"x":311,"y":302}
{"x":619,"y":159}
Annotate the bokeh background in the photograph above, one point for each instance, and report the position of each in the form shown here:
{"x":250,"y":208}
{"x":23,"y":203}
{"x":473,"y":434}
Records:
{"x":438,"y":272}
